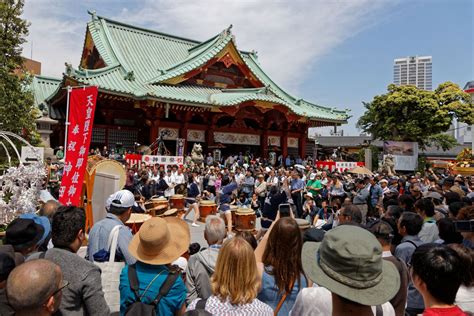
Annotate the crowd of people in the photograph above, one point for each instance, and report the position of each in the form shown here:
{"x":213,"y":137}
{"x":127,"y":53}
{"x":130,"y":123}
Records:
{"x":377,"y":245}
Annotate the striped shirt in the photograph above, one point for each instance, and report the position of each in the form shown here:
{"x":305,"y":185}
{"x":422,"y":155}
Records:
{"x":217,"y":307}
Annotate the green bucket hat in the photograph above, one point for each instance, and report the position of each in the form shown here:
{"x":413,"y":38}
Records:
{"x":348,"y":262}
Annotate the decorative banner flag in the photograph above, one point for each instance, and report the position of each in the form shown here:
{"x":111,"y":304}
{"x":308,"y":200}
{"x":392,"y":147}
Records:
{"x":82,"y":103}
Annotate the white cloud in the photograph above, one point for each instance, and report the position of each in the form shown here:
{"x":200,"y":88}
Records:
{"x":290,"y":36}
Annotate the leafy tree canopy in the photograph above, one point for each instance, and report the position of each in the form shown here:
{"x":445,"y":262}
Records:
{"x":17,"y":111}
{"x":407,"y":113}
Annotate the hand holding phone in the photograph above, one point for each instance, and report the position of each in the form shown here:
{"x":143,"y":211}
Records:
{"x":285,"y":210}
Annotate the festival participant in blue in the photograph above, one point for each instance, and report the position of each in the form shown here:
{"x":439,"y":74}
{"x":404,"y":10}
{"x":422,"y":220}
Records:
{"x":225,"y":197}
{"x":193,"y":199}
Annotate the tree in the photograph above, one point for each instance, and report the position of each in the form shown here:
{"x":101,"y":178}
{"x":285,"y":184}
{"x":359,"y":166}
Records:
{"x":407,"y":113}
{"x":17,"y":112}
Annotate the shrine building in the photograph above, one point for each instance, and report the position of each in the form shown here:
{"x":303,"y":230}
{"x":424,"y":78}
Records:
{"x":204,"y":92}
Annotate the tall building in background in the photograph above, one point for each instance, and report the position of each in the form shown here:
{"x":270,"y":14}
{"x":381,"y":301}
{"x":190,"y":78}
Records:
{"x":413,"y":70}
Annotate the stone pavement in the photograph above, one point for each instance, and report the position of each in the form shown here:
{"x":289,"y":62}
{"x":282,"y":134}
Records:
{"x":197,"y":233}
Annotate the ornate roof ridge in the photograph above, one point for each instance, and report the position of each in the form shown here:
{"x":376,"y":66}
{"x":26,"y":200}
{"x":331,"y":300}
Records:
{"x":143,"y":29}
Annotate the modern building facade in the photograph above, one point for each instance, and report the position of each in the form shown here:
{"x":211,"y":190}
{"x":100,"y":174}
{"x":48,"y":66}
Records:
{"x":413,"y":70}
{"x":464,"y":132}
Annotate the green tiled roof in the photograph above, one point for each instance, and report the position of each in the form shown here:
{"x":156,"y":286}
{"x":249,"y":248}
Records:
{"x":43,"y":87}
{"x":139,"y":60}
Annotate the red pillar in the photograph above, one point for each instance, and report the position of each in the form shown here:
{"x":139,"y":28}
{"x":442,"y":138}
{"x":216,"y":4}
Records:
{"x":155,"y":124}
{"x":302,"y":146}
{"x":284,"y":144}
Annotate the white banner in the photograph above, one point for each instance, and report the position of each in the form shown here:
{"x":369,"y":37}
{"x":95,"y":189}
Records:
{"x":163,"y":160}
{"x":405,"y":154}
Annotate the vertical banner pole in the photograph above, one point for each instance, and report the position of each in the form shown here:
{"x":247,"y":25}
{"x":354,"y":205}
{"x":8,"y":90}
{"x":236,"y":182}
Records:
{"x":69,"y":89}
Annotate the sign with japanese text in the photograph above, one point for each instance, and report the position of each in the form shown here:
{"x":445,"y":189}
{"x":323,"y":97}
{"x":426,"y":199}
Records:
{"x":163,"y":160}
{"x":81,"y":117}
{"x":339,"y":166}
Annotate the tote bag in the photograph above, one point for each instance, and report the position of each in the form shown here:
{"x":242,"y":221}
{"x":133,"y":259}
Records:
{"x":111,"y":273}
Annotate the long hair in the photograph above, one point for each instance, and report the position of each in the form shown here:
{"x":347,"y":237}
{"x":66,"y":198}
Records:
{"x":283,"y":254}
{"x":236,"y":277}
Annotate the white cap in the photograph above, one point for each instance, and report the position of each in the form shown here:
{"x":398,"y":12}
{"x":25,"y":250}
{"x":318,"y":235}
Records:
{"x":122,"y":198}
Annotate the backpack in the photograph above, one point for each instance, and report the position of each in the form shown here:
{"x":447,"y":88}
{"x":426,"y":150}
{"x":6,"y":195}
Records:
{"x":138,"y":308}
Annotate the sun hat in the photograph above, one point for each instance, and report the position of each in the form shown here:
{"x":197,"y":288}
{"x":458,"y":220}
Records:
{"x":384,"y":181}
{"x":23,"y":233}
{"x":434,"y":195}
{"x":348,"y":262}
{"x":310,"y":195}
{"x":160,"y":240}
{"x":40,"y":220}
{"x":122,"y":198}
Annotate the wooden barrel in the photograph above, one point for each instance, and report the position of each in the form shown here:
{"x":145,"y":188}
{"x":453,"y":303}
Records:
{"x":177,"y":201}
{"x":245,"y":219}
{"x":136,"y":220}
{"x":206,"y":208}
{"x":156,"y":205}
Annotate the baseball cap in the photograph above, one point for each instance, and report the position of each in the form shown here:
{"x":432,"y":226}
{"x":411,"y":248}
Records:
{"x":122,"y":198}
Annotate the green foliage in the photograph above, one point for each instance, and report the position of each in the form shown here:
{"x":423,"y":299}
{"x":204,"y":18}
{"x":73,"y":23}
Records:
{"x":17,"y":113}
{"x":375,"y":156}
{"x":407,"y":113}
{"x":423,"y":164}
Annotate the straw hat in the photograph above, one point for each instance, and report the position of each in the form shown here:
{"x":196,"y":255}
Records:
{"x":160,"y":240}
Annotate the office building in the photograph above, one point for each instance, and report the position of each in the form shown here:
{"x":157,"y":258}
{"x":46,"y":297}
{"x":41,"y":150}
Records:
{"x":413,"y":70}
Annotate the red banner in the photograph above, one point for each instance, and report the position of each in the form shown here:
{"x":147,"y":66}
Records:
{"x":81,"y":117}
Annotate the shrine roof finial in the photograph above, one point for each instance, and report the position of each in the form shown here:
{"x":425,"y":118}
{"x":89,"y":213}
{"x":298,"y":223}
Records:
{"x":93,"y":14}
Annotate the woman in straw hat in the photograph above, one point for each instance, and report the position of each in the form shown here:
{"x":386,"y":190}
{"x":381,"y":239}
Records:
{"x":158,"y":243}
{"x":235,"y":283}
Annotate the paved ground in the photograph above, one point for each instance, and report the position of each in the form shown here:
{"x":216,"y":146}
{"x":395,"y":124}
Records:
{"x":197,"y":233}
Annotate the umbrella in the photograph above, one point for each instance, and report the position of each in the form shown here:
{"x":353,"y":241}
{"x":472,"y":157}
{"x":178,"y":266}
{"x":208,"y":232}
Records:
{"x":361,"y":170}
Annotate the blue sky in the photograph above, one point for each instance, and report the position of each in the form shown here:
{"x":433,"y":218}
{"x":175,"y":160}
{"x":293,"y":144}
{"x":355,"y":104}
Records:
{"x":331,"y":52}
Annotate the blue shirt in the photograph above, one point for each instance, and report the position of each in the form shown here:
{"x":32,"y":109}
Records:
{"x":269,"y":292}
{"x":99,"y":237}
{"x":227,"y":192}
{"x":296,"y":184}
{"x":376,"y":192}
{"x":169,"y":304}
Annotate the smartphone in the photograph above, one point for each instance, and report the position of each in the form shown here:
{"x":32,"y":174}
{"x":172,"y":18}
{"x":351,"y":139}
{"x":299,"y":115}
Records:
{"x":284,"y":209}
{"x":464,"y":226}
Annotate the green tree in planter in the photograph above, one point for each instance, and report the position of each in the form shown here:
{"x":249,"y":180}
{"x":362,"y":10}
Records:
{"x":407,"y":113}
{"x":17,"y":111}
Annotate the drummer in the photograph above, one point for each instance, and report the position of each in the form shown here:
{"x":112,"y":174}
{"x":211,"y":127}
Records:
{"x":225,"y":196}
{"x":192,"y":200}
{"x":207,"y":195}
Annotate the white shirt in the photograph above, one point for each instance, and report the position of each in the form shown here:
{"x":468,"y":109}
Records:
{"x":178,"y":178}
{"x":315,"y":301}
{"x":465,"y":298}
{"x":169,"y":181}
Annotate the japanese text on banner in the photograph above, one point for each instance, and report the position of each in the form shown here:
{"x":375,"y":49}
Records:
{"x":81,"y":117}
